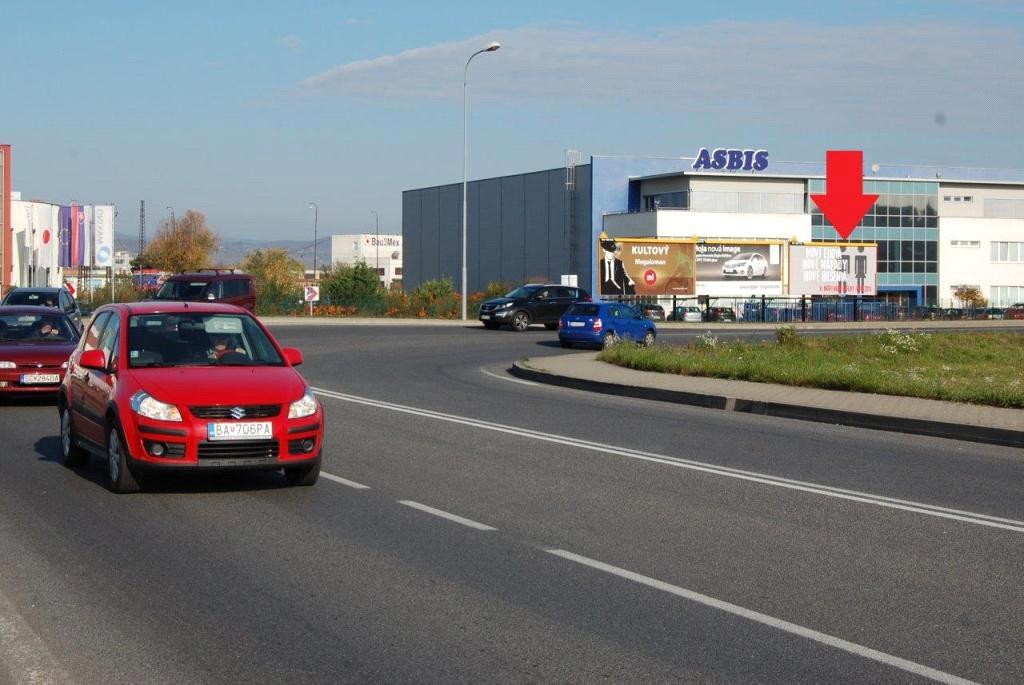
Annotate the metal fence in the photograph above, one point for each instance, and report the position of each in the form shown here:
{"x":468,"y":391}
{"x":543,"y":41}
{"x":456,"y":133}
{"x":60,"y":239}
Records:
{"x":805,"y":309}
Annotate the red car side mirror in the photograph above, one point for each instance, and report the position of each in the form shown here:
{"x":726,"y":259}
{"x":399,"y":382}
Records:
{"x":93,"y":359}
{"x":293,"y":355}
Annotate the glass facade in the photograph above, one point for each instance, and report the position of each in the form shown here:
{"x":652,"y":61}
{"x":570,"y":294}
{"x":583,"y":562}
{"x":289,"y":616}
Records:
{"x":904,"y":221}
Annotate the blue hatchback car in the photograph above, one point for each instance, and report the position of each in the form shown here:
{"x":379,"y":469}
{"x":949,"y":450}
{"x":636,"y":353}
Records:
{"x":603,"y":324}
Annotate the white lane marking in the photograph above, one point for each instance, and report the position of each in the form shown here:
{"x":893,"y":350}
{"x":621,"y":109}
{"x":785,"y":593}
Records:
{"x":506,"y":378}
{"x":765,"y":619}
{"x":445,"y":515}
{"x":23,"y":652}
{"x":728,"y":472}
{"x":344,"y":481}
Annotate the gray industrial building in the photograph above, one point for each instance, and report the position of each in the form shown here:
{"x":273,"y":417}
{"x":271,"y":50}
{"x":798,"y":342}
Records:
{"x":936,"y":228}
{"x":521,"y":227}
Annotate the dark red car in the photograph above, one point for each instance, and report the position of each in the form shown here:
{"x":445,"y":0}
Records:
{"x":35,"y":344}
{"x":187,"y":386}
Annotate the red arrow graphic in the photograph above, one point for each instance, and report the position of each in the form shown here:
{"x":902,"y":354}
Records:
{"x":844,"y":202}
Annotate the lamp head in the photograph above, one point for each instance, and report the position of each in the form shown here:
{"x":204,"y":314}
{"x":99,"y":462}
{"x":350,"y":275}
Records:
{"x":492,"y":46}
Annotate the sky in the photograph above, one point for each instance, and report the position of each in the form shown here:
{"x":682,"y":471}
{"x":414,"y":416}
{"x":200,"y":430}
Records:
{"x":250,"y":114}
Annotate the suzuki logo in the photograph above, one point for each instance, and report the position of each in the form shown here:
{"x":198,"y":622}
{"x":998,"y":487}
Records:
{"x":237,"y":412}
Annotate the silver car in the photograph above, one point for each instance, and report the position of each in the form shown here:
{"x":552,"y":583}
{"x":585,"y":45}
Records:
{"x":690,"y":314}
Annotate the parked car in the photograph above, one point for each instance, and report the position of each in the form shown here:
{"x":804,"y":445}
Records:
{"x":1015,"y":311}
{"x":35,"y":343}
{"x":720,"y":314}
{"x":59,"y":298}
{"x":604,"y":324}
{"x":530,"y":304}
{"x":746,"y":265}
{"x":654,"y":312}
{"x":160,"y":386}
{"x":688,"y":313}
{"x":992,"y":313}
{"x":229,"y":286}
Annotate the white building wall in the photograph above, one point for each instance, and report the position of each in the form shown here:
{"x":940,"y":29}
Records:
{"x":684,"y":224}
{"x":29,"y":220}
{"x":963,"y":263}
{"x":356,"y":247}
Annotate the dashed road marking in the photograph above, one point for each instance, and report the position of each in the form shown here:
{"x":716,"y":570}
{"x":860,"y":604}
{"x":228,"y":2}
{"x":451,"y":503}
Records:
{"x":765,"y":619}
{"x":445,"y":515}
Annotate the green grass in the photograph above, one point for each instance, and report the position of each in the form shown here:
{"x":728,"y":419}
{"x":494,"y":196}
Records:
{"x":974,"y":367}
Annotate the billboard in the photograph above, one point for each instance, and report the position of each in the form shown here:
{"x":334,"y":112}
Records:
{"x":739,"y":269}
{"x":833,"y":269}
{"x":645,"y":266}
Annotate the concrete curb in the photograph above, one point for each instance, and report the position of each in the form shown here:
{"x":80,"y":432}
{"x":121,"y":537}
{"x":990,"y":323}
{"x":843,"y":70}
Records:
{"x":898,"y":424}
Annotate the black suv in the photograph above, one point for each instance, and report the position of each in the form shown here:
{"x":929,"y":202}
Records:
{"x":58,"y":298}
{"x":529,"y":304}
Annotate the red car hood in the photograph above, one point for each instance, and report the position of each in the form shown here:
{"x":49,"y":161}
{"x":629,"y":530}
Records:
{"x":232,"y":385}
{"x":46,"y":353}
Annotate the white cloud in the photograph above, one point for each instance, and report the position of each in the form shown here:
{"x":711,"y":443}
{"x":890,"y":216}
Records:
{"x":762,"y":70}
{"x":291,"y":42}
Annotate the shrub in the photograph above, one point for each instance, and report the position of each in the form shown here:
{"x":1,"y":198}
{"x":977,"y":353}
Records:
{"x":787,"y":335}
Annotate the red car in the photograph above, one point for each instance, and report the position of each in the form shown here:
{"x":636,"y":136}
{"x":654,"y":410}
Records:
{"x":35,"y":343}
{"x":158,"y":386}
{"x":1015,"y":311}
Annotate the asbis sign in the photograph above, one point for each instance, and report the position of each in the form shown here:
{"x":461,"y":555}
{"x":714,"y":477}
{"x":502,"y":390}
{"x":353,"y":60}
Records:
{"x":730,"y":160}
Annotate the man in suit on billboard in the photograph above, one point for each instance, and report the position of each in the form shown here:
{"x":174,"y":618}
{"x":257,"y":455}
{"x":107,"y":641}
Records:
{"x":614,"y":279}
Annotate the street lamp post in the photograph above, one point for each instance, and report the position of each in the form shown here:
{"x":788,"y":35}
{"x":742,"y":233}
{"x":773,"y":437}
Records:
{"x":465,"y":162}
{"x":376,"y":220}
{"x":316,"y":217}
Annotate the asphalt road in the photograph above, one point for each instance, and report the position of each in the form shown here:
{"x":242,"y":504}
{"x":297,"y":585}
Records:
{"x":475,"y":528}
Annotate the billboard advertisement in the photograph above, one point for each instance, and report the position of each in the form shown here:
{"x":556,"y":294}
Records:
{"x":739,"y":269}
{"x":645,"y":266}
{"x":103,"y":236}
{"x":833,"y":269}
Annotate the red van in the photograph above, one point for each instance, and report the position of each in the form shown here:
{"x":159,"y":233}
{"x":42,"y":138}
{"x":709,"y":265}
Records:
{"x":229,"y":286}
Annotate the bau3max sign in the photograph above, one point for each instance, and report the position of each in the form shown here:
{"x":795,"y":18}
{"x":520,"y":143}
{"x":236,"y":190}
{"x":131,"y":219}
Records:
{"x":724,"y":159}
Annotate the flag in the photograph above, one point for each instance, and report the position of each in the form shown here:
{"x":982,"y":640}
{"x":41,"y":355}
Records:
{"x":64,"y":236}
{"x":45,"y":236}
{"x":87,"y":235}
{"x":103,"y":235}
{"x":77,"y":244}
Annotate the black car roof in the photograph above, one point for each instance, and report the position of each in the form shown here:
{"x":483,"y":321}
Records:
{"x":34,"y":289}
{"x":30,"y":309}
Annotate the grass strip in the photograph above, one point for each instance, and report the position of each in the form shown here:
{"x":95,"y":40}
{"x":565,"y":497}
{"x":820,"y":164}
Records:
{"x":973,"y":367}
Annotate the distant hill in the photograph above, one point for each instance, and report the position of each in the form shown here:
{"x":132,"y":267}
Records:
{"x":232,"y":250}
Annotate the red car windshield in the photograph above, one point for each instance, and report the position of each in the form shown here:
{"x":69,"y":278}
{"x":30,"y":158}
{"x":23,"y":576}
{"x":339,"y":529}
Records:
{"x":34,"y":328}
{"x":161,"y":340}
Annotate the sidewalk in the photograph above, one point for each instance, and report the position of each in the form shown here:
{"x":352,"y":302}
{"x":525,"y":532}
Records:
{"x":971,"y":422}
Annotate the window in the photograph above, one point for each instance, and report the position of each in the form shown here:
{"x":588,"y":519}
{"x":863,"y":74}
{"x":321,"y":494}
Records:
{"x":108,"y":340}
{"x":1007,"y":252}
{"x":398,"y":271}
{"x":1006,"y":295}
{"x":92,"y":336}
{"x":237,"y":287}
{"x":965,"y":243}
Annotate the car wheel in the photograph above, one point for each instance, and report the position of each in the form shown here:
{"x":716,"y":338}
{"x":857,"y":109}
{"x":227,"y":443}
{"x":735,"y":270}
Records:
{"x":71,"y":453}
{"x":609,"y":340}
{"x":649,"y":338}
{"x":750,"y":272}
{"x":121,"y":478}
{"x":520,"y":321}
{"x":303,"y":476}
{"x":551,"y":326}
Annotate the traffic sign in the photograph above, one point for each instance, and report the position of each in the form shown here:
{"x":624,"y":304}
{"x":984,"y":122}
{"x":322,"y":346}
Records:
{"x":311,"y":293}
